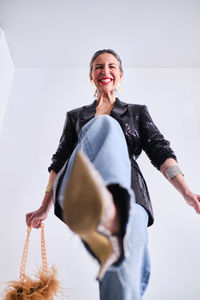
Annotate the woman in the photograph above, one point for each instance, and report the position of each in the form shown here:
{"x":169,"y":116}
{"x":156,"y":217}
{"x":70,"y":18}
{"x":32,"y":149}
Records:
{"x":99,"y":190}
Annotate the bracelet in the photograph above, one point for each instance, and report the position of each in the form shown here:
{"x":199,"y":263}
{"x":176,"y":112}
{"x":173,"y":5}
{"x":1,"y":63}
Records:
{"x":49,"y":187}
{"x":172,"y":171}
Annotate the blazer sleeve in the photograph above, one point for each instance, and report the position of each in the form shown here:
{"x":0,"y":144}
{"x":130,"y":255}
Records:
{"x":66,"y":145}
{"x":154,"y":144}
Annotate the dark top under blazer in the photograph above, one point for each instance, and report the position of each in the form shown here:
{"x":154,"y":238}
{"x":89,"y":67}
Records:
{"x":140,"y":132}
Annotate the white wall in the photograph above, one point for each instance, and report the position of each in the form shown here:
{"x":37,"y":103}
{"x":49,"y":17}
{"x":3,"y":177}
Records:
{"x":6,"y":75}
{"x":33,"y":123}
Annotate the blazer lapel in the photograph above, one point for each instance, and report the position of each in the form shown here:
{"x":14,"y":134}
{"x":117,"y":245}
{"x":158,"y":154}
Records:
{"x":119,"y":108}
{"x":119,"y":112}
{"x":88,"y":112}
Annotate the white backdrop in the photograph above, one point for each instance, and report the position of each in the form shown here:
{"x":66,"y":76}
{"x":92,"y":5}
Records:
{"x":6,"y":75}
{"x":33,"y":123}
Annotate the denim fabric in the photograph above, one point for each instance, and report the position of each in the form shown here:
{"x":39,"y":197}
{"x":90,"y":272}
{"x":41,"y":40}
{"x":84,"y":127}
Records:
{"x":103,"y":141}
{"x":129,"y":280}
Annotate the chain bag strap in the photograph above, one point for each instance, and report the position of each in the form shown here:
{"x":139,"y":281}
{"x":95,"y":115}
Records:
{"x":25,"y":254}
{"x":45,"y":286}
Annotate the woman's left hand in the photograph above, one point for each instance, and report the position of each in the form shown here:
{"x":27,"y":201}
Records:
{"x":193,"y":200}
{"x":180,"y":184}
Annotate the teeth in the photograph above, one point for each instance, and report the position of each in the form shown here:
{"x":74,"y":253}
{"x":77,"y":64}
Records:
{"x":106,"y":80}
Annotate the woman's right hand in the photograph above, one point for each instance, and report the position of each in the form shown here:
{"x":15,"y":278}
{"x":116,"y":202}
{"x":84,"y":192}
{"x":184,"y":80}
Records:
{"x":36,"y":217}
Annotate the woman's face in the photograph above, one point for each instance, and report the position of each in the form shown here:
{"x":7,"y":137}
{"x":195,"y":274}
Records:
{"x":106,"y":73}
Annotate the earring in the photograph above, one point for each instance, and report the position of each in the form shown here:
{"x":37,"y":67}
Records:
{"x":118,"y":88}
{"x":94,"y":88}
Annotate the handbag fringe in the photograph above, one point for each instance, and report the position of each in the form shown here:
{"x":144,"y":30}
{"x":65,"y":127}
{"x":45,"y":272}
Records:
{"x":43,"y":286}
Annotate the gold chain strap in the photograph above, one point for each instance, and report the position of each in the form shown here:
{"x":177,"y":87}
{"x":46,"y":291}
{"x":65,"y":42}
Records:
{"x":25,"y":254}
{"x":43,"y":251}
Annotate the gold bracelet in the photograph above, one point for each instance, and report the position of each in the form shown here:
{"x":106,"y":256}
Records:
{"x":49,"y":187}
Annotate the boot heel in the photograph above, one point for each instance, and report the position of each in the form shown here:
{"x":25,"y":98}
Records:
{"x":102,"y":248}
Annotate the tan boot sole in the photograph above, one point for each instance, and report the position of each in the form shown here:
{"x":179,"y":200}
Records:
{"x":83,"y":208}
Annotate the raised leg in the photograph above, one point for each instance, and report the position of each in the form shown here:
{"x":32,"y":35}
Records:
{"x":103,"y":142}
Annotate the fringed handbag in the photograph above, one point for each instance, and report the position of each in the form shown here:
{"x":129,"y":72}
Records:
{"x":44,"y":286}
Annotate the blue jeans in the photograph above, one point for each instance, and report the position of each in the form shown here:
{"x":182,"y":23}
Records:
{"x":103,"y":141}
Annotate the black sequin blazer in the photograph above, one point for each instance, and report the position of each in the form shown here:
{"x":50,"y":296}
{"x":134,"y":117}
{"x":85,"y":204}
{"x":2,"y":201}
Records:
{"x":140,"y":132}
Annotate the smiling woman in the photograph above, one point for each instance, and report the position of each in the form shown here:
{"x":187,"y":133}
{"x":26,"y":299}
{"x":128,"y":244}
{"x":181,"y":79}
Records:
{"x":97,"y":187}
{"x":105,"y":73}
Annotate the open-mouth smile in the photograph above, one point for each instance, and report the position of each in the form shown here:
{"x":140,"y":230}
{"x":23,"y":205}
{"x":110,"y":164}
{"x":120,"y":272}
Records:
{"x":105,"y":80}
